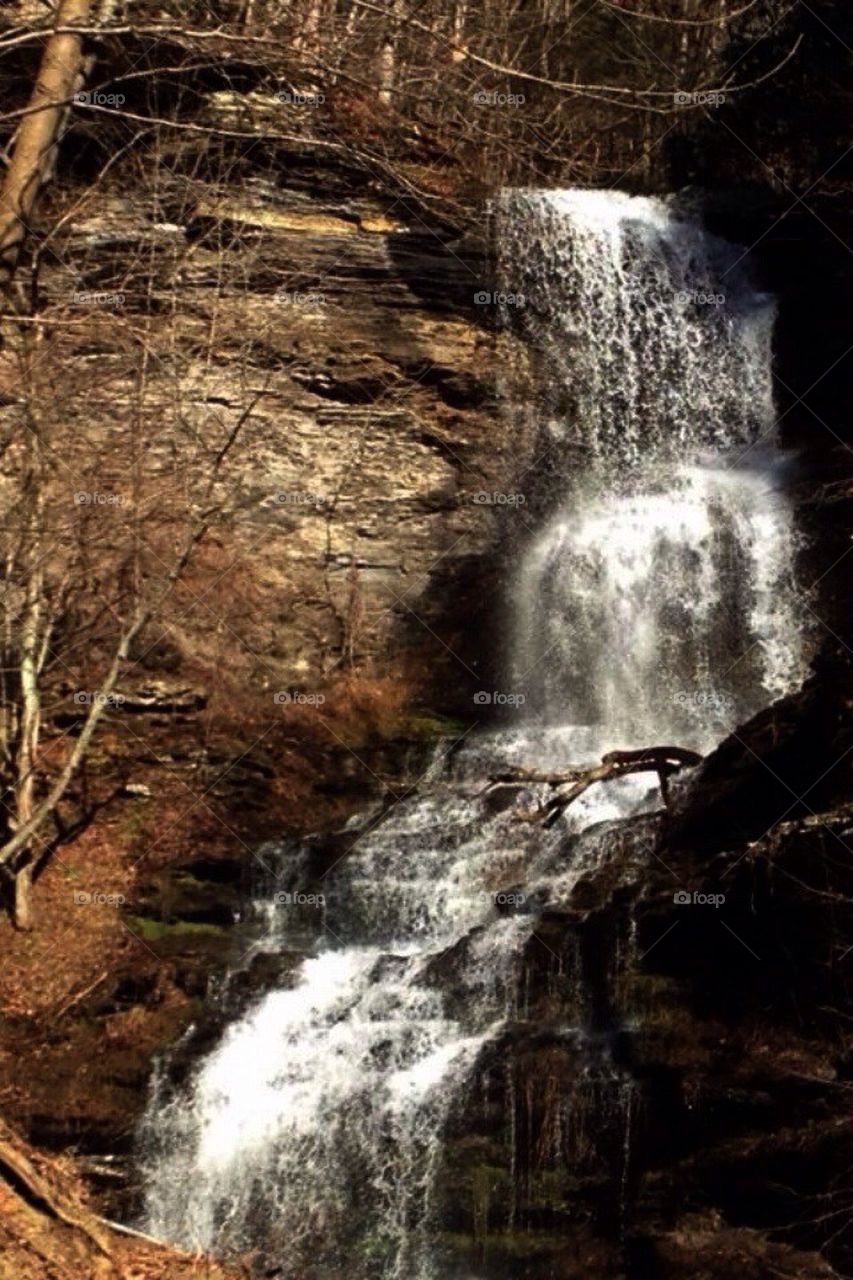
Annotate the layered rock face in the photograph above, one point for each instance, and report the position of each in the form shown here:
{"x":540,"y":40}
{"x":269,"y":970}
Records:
{"x":348,"y":332}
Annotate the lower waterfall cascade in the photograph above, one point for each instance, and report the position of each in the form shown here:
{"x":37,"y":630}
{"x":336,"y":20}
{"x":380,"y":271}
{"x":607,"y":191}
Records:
{"x":655,"y":603}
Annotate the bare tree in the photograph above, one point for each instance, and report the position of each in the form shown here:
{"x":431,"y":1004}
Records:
{"x":34,"y":152}
{"x":85,"y":572}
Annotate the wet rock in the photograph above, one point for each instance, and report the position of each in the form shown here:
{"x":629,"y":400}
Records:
{"x":672,"y":1091}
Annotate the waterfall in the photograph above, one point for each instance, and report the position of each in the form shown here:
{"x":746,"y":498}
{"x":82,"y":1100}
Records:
{"x":654,"y":602}
{"x":649,"y":329}
{"x":664,"y":615}
{"x":657,"y":600}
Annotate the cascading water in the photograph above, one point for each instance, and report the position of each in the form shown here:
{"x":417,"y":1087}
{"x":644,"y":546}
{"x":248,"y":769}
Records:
{"x":655,"y":604}
{"x":657,"y":599}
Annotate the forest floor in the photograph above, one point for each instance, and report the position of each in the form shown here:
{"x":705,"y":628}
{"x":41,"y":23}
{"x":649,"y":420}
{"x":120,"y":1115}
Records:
{"x":58,"y":1049}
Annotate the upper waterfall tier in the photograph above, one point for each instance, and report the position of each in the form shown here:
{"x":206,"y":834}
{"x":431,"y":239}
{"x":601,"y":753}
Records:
{"x":653,"y":342}
{"x":657,"y":599}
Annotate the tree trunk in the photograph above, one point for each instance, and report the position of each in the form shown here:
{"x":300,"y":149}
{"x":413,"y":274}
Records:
{"x":460,"y":15}
{"x":28,"y":674}
{"x":23,"y":906}
{"x":32,"y":158}
{"x":308,"y":38}
{"x":387,"y":62}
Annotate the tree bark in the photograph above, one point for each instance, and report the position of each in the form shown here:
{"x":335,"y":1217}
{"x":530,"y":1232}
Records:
{"x":30,"y":715}
{"x":32,"y":158}
{"x":387,"y":62}
{"x":22,"y":908}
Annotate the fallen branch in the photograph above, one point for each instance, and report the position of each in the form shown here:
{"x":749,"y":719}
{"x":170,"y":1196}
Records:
{"x":571,"y":783}
{"x":81,"y":995}
{"x":14,"y":1161}
{"x":124,"y":1230}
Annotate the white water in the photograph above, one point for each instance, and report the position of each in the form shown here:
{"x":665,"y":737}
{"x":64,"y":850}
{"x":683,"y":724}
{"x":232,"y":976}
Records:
{"x":324,"y":1105}
{"x":650,"y":328}
{"x":657,"y":601}
{"x":653,"y":605}
{"x":664,"y":615}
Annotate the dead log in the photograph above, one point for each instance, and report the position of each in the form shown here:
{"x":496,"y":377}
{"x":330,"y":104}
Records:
{"x":679,"y":756}
{"x":571,"y":783}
